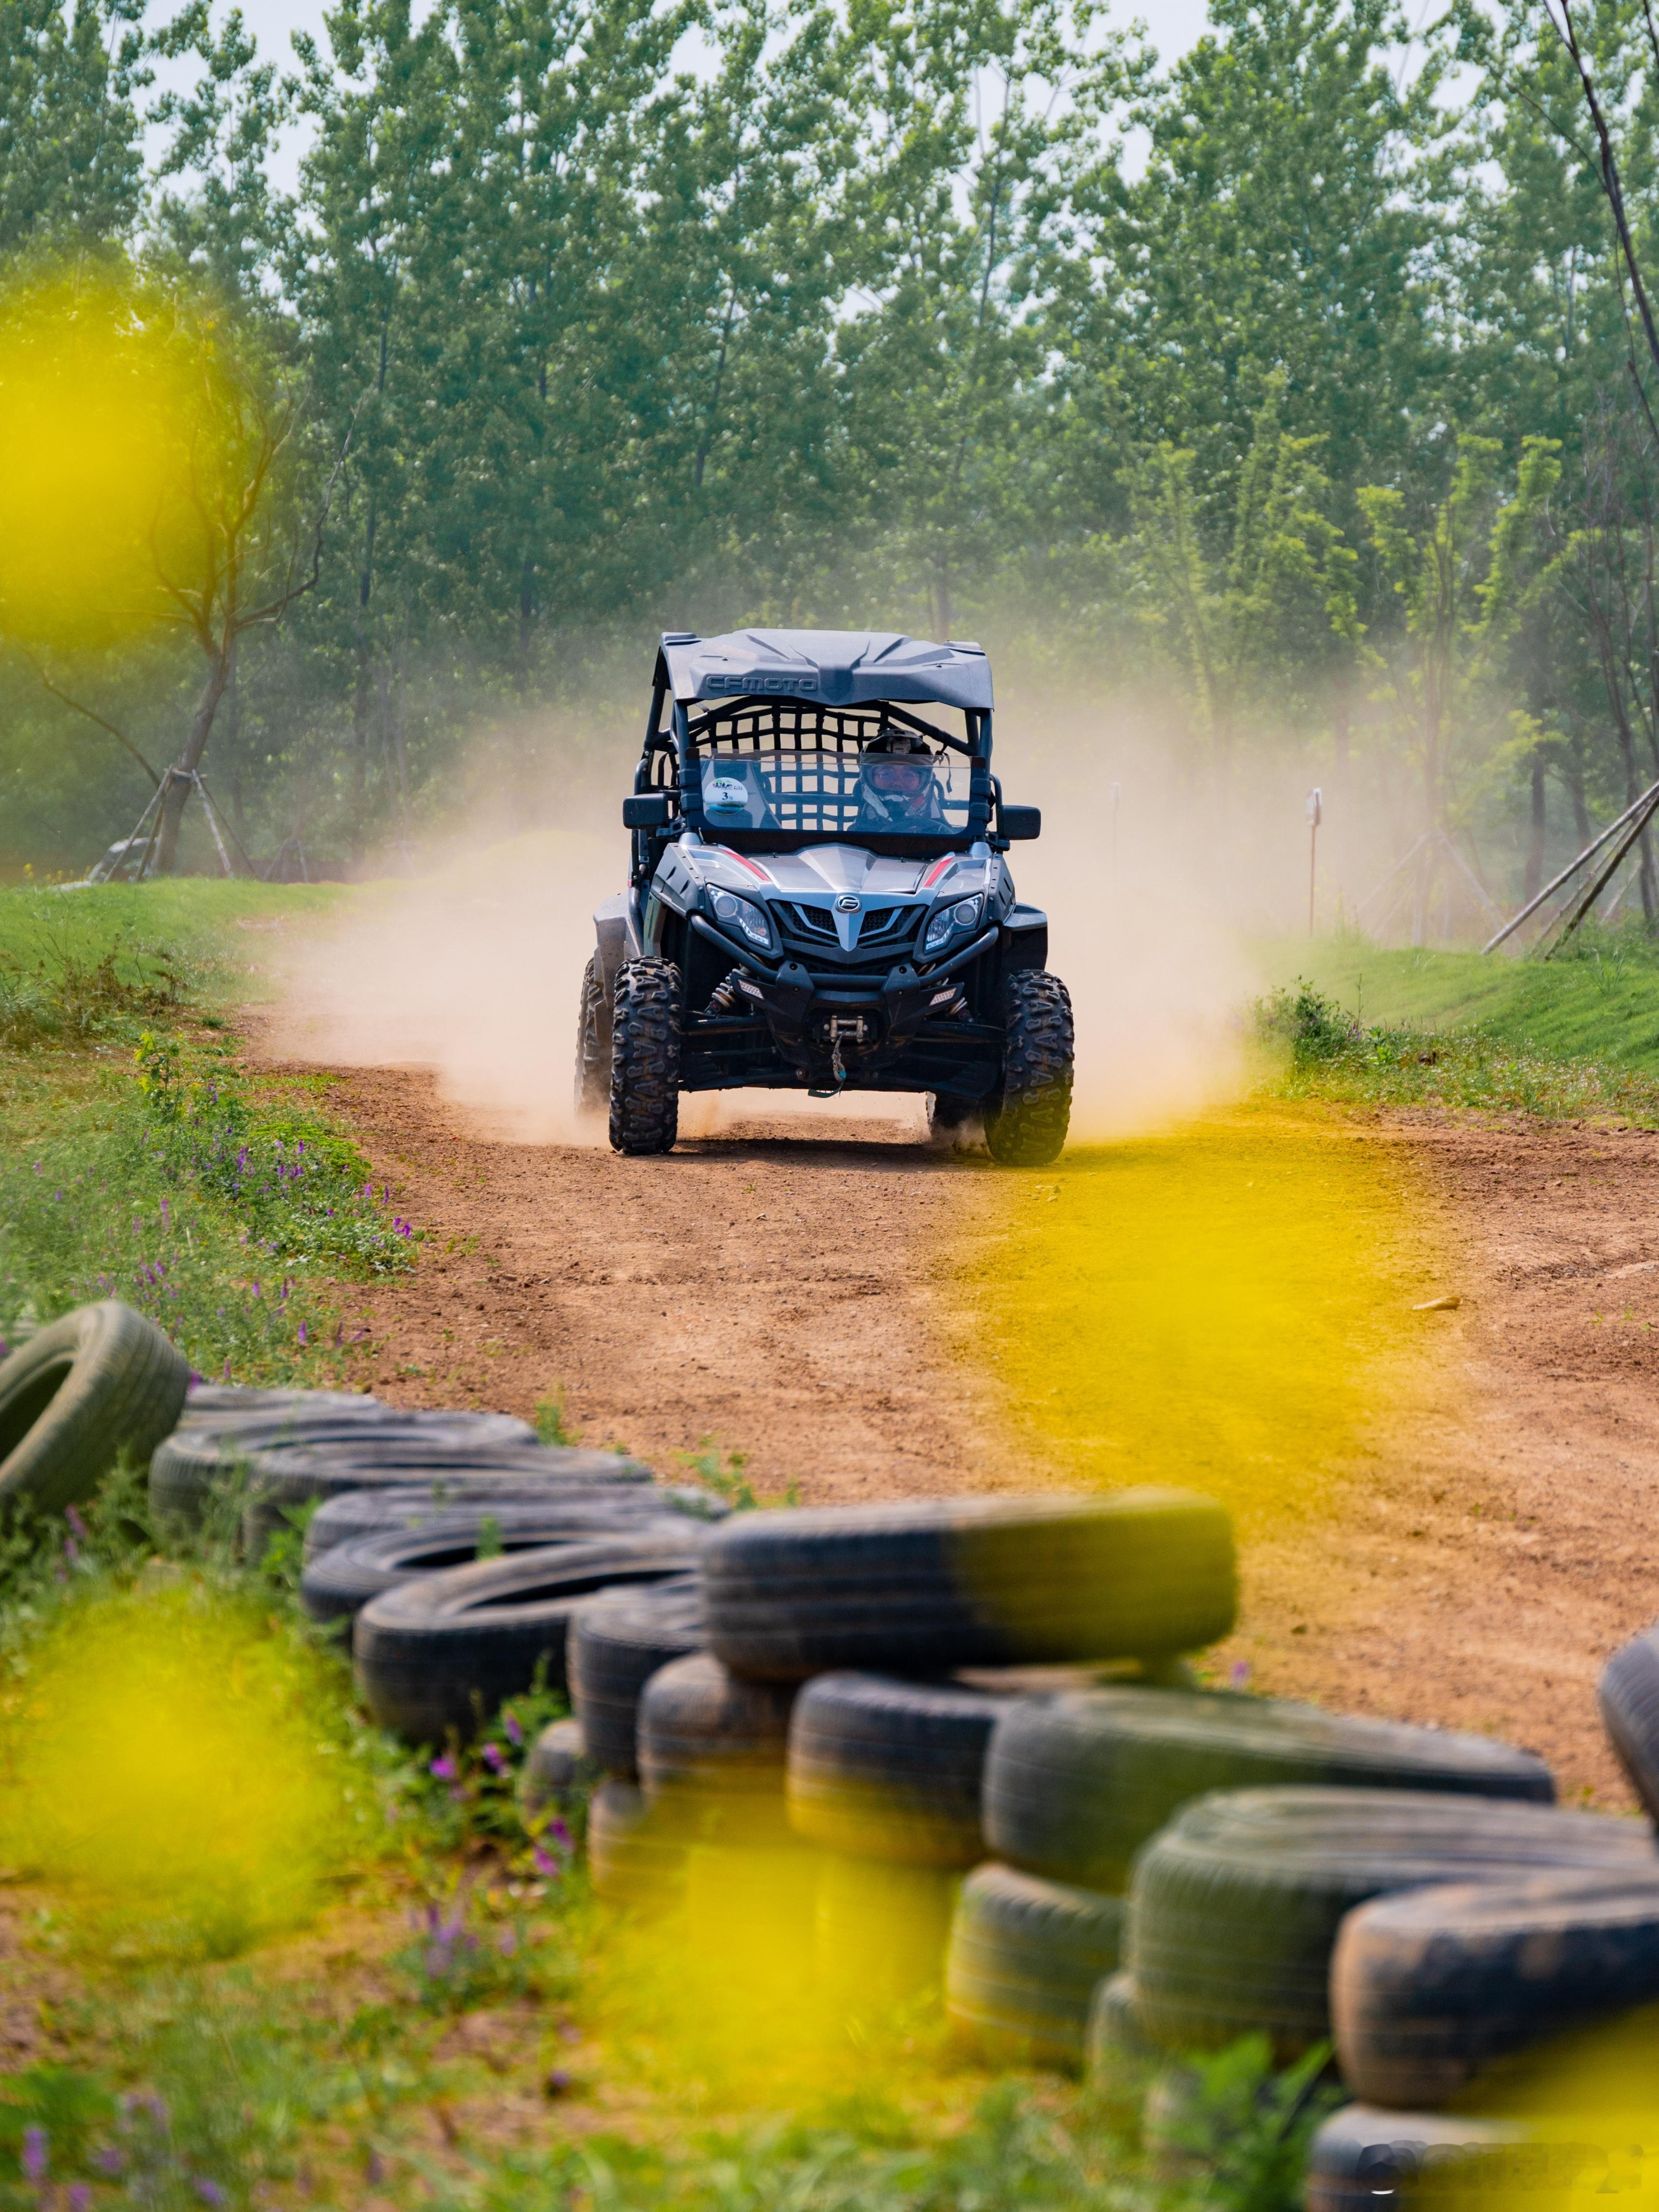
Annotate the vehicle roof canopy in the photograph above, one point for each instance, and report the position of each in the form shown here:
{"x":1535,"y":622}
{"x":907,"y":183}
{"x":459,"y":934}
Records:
{"x":837,"y":667}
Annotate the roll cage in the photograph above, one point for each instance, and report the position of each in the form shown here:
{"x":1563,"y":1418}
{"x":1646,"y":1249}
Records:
{"x":789,"y":733}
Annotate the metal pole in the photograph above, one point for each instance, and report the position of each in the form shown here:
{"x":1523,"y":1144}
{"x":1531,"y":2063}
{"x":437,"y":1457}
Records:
{"x":1571,"y":869}
{"x":1315,"y":816}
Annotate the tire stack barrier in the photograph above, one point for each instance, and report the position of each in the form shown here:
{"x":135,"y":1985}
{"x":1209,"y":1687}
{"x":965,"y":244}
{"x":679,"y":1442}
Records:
{"x":1129,"y":1873}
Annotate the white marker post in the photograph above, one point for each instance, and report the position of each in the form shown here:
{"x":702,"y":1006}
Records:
{"x":1315,"y":816}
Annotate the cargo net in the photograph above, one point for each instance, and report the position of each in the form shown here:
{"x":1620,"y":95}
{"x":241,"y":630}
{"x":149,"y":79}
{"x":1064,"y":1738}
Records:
{"x":819,"y":771}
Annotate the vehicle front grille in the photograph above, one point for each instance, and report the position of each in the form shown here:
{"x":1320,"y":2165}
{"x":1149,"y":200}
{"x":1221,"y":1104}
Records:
{"x":805,"y":920}
{"x":888,"y":926}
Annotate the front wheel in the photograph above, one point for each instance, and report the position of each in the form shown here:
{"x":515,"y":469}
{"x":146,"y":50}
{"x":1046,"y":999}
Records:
{"x":1030,"y":1116}
{"x":592,"y":1043}
{"x":645,"y":1057}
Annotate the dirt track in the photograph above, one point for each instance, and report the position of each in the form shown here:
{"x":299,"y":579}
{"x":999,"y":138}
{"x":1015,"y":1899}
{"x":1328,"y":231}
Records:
{"x":789,"y":1299}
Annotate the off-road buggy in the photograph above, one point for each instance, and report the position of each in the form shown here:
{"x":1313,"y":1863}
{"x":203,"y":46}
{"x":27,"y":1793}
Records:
{"x":819,"y":898}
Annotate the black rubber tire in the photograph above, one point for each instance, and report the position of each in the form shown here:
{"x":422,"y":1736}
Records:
{"x":592,"y":1091}
{"x":1026,"y":1122}
{"x":98,"y":1382}
{"x":454,"y":1449}
{"x":1075,"y":1785}
{"x":222,"y":1405}
{"x":1024,"y":1957}
{"x":392,"y":1508}
{"x":338,"y":1582}
{"x":882,"y":1931}
{"x":616,"y":1643}
{"x":883,"y":1769}
{"x":1120,"y":2058}
{"x":645,"y":1058}
{"x":201,"y":1461}
{"x":633,"y":1859}
{"x":1234,"y":1907}
{"x":436,"y":1655}
{"x":711,"y":1748}
{"x":557,"y":1772}
{"x":926,"y":1586}
{"x":1365,"y":2160}
{"x":1431,"y":1990}
{"x":1628,"y":1695}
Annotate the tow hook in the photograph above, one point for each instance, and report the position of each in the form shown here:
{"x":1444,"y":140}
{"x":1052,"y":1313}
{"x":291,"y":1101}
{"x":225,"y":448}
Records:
{"x":850,"y":1026}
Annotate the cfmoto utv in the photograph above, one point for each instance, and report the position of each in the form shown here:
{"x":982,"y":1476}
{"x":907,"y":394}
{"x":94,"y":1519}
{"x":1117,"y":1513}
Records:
{"x":819,"y":898}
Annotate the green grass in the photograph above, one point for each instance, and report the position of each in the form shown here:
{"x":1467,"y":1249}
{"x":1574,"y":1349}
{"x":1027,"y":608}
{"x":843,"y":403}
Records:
{"x":140,"y":1160}
{"x":1576,"y":1038}
{"x":1599,"y":1002}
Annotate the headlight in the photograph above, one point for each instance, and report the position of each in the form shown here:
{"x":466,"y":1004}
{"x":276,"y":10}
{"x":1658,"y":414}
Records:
{"x":951,"y":921}
{"x":742,"y":914}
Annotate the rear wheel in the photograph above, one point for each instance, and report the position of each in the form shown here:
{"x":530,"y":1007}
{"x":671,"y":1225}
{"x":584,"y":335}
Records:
{"x":645,"y":1057}
{"x":1028,"y":1121}
{"x":592,"y":1043}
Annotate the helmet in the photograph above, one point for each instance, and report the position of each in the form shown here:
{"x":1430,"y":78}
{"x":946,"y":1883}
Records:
{"x":898,"y":768}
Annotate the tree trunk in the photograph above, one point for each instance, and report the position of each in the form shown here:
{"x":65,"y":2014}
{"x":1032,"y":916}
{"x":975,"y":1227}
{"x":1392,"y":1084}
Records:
{"x":1533,"y":882}
{"x":180,"y":780}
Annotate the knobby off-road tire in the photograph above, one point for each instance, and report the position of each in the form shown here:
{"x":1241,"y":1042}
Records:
{"x":80,"y":1391}
{"x":441,"y":1653}
{"x":1235,"y":1905}
{"x":1024,"y":1958}
{"x":1075,"y":1785}
{"x":593,"y":1043}
{"x":888,"y":1770}
{"x":616,"y":1643}
{"x":645,"y":1058}
{"x":931,"y":1584}
{"x":1026,"y":1124}
{"x":1431,"y":1990}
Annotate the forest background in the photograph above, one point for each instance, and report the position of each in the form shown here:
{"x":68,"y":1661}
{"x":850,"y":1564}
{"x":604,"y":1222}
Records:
{"x":1283,"y":407}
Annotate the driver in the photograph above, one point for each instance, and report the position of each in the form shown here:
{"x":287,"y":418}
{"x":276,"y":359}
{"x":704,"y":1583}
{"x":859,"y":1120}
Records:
{"x":896,"y":786}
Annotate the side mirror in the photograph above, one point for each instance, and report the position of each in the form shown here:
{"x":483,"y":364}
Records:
{"x":1019,"y":824}
{"x":646,"y":810}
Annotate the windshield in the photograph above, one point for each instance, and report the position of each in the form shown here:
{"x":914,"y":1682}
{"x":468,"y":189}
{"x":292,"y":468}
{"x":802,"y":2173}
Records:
{"x":834,"y":795}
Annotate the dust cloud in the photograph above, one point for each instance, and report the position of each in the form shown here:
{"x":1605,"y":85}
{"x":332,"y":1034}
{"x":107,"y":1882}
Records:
{"x":472,"y":972}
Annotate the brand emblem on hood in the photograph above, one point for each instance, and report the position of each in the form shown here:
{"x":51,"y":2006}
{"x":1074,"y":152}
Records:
{"x":845,"y":905}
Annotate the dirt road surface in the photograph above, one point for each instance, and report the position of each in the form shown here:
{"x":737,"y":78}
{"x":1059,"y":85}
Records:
{"x":787,"y":1295}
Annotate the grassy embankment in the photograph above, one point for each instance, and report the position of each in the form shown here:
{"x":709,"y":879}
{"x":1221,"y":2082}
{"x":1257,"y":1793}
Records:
{"x":1573,"y":1038}
{"x":252,"y":1952}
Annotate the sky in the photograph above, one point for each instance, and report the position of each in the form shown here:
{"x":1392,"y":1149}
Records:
{"x":1174,"y":24}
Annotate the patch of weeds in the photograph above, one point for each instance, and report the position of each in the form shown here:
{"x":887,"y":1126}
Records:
{"x":1244,"y":2129}
{"x":1327,"y":1054}
{"x":553,"y":1423}
{"x":464,"y":1797}
{"x":301,"y":1191}
{"x":722,"y":1472}
{"x":55,"y":992}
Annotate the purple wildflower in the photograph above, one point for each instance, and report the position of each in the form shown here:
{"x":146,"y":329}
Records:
{"x":1241,"y":1674}
{"x":513,"y":1732}
{"x":209,"y":2191}
{"x":545,"y":1865}
{"x":109,"y":2161}
{"x":561,"y":1835}
{"x":71,"y":1514}
{"x":304,"y":1339}
{"x":495,"y":1758}
{"x":39,"y":1167}
{"x":507,"y":1942}
{"x":79,"y":2198}
{"x":556,"y":2082}
{"x":35,"y":2156}
{"x":445,"y":1769}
